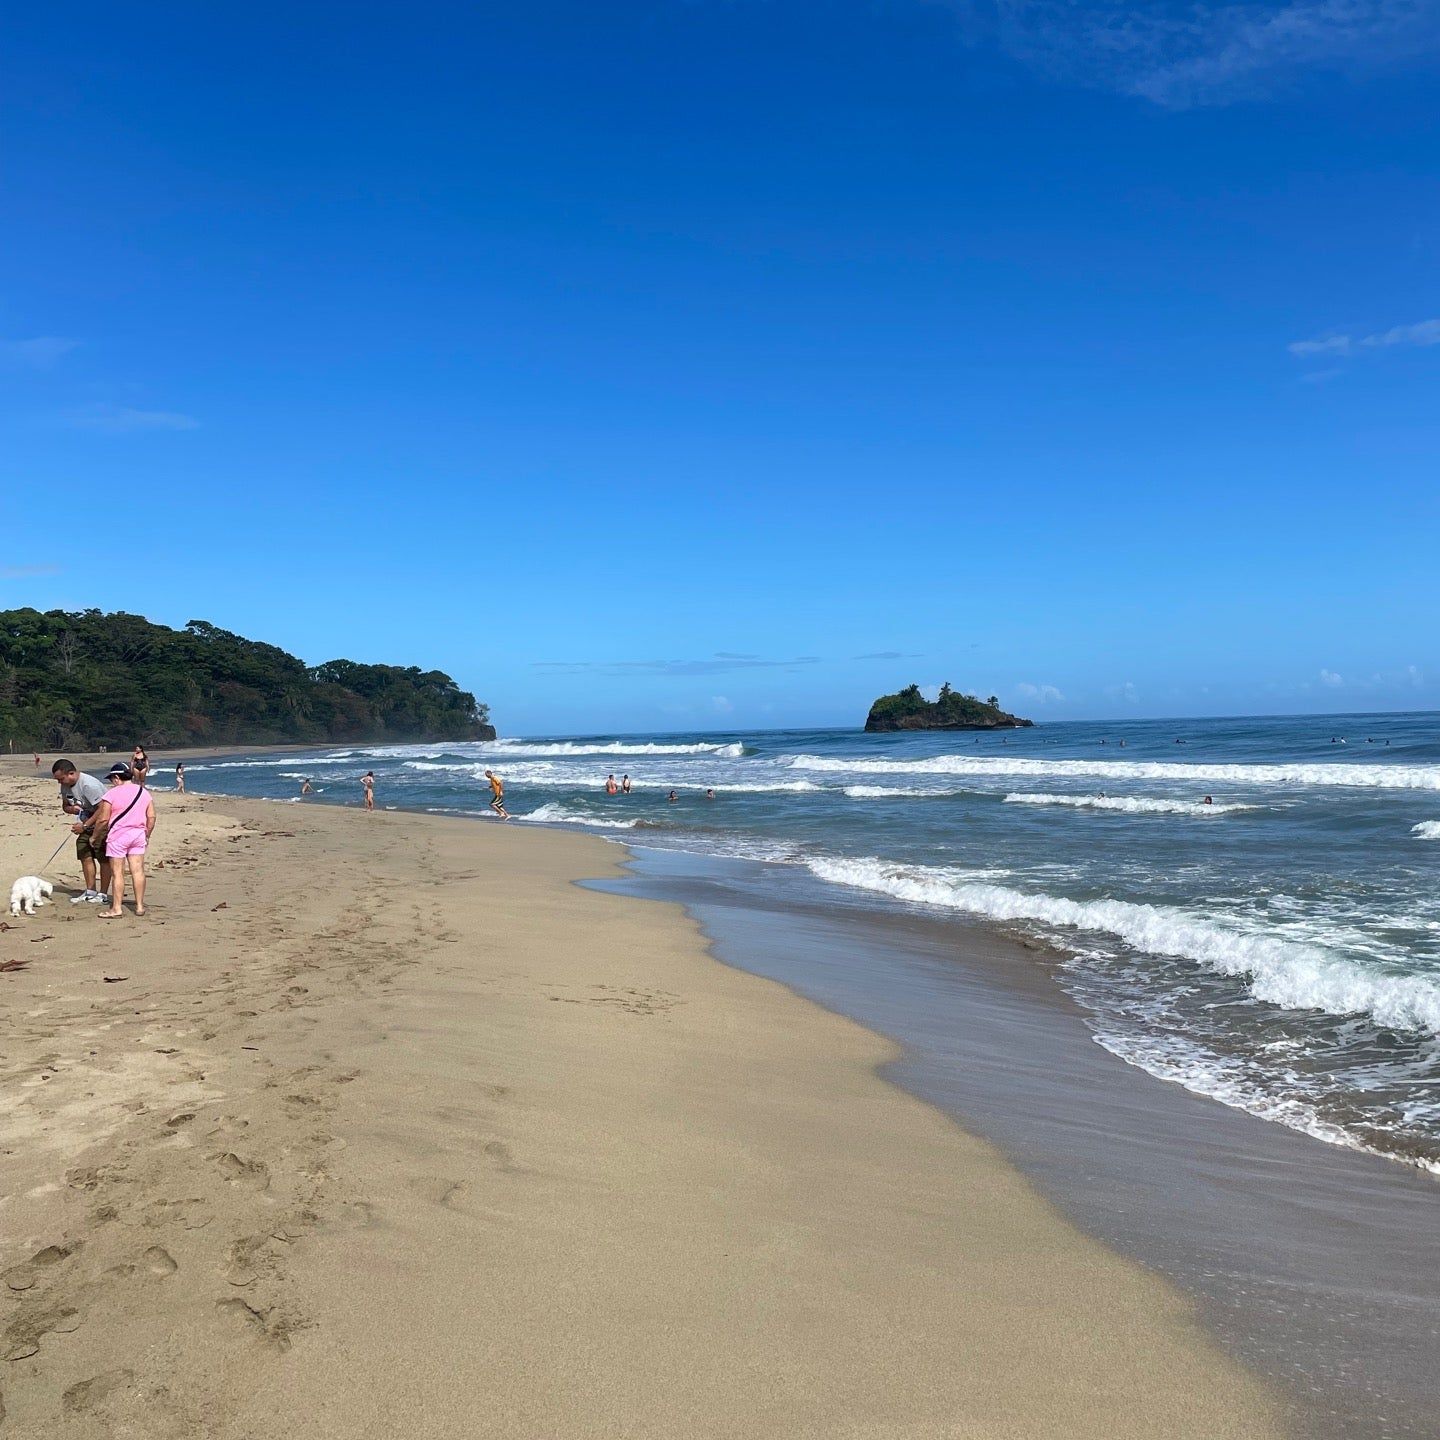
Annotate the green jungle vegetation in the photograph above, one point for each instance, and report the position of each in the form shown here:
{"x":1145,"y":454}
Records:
{"x":80,"y":680}
{"x":908,"y":709}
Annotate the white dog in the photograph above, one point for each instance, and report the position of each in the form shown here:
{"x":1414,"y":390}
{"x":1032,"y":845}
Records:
{"x":28,"y":892}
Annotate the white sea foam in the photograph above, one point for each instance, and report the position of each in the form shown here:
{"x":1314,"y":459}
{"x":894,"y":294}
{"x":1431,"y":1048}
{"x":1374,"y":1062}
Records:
{"x":553,"y":814}
{"x":1426,"y":830}
{"x":886,"y":792}
{"x":561,"y":748}
{"x":1380,"y":777}
{"x":1281,"y":972}
{"x":1204,"y":1073}
{"x":759,"y":787}
{"x":264,"y":764}
{"x":1126,"y":804}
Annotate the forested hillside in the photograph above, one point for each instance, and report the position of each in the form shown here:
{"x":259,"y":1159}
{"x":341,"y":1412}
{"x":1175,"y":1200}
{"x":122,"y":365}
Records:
{"x":72,"y":681}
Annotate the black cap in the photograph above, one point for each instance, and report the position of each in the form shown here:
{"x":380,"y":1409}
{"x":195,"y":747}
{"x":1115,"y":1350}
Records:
{"x":120,"y":769}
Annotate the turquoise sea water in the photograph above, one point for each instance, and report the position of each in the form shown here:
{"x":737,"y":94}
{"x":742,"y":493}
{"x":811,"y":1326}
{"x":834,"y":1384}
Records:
{"x":1277,"y":949}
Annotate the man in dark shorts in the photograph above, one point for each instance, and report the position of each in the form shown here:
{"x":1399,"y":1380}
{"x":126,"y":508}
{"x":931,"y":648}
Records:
{"x":497,"y":794}
{"x":79,"y":795}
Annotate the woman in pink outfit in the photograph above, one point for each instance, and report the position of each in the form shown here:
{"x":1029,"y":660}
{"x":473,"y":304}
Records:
{"x":126,"y":816}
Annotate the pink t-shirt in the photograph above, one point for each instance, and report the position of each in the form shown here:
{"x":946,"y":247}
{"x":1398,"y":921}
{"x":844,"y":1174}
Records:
{"x":133,"y":825}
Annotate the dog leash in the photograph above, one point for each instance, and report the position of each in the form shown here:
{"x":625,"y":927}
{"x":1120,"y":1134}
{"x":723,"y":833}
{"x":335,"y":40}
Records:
{"x":55,"y":852}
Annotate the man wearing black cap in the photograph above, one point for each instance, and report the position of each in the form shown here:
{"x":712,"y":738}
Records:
{"x":79,"y":795}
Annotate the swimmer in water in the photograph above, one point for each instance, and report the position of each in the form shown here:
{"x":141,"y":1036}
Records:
{"x":709,"y":794}
{"x":611,"y":787}
{"x":1208,"y":800}
{"x":624,"y":784}
{"x":306,"y":788}
{"x":673,"y":797}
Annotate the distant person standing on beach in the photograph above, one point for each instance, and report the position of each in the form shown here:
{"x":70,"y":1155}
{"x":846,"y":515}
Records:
{"x":368,"y":781}
{"x":139,"y":765}
{"x":127,"y":818}
{"x":180,"y":778}
{"x":497,"y":794}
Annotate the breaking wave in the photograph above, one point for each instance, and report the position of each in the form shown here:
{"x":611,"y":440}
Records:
{"x":1279,"y":972}
{"x":1380,"y":777}
{"x":1126,"y":804}
{"x":553,"y":814}
{"x":524,"y":749}
{"x":1426,"y":830}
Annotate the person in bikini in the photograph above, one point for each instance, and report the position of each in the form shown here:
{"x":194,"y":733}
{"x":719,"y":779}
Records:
{"x":368,"y":781}
{"x":624,"y":784}
{"x":497,"y":794}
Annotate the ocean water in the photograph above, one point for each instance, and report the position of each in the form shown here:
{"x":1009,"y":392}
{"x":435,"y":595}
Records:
{"x":1276,"y":949}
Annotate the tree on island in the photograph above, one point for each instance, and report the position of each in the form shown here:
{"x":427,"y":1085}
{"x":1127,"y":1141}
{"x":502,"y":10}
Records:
{"x":908,"y":709}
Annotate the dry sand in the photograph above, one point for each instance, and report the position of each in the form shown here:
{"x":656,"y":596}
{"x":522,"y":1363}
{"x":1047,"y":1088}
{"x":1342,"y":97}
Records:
{"x":383,"y":1127}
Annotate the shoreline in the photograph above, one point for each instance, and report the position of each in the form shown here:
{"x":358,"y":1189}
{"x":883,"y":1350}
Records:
{"x":1317,"y":1266}
{"x":453,"y":1115}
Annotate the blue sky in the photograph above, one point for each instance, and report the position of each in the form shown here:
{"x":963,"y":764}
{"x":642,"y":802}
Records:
{"x":728,"y":362}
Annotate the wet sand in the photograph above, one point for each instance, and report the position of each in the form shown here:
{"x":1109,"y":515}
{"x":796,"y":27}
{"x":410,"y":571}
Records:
{"x":381,"y":1125}
{"x":1316,"y":1266}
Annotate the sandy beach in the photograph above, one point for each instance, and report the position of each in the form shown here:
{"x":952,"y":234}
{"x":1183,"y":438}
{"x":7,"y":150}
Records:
{"x":381,"y":1125}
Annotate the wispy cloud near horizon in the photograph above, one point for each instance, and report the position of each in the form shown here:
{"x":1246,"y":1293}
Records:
{"x":722,"y":662}
{"x":38,"y":353}
{"x":1419,"y":335}
{"x":112,"y":419}
{"x":27,"y":572}
{"x":1212,"y":52}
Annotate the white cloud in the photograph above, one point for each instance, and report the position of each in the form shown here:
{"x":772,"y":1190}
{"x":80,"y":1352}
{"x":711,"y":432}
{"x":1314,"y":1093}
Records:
{"x":1423,"y":333}
{"x":1330,"y":678}
{"x":721,"y":705}
{"x":39,"y":353}
{"x":1206,"y":52}
{"x":1126,"y":692}
{"x":1040,"y":694}
{"x":126,"y":420}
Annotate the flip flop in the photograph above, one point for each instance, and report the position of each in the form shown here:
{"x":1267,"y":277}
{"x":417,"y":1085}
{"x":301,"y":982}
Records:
{"x":106,"y":915}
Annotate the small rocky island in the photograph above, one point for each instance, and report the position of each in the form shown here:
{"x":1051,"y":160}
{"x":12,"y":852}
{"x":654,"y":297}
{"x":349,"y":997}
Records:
{"x":908,"y":709}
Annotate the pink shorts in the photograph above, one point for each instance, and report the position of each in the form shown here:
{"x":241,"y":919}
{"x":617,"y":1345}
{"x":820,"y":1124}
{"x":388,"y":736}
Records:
{"x":117,"y":847}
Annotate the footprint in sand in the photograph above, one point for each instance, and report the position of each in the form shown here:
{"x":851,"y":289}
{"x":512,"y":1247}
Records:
{"x":264,"y":1325}
{"x":440,"y":1191}
{"x":159,"y":1261}
{"x":26,"y":1330}
{"x":249,"y":1260}
{"x":98,"y":1388}
{"x":28,"y":1272}
{"x":252,"y":1173}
